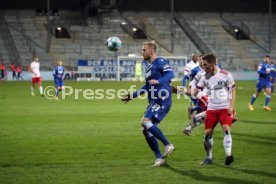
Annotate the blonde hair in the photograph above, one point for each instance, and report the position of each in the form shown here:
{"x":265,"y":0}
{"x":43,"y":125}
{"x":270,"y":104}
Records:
{"x":152,"y":44}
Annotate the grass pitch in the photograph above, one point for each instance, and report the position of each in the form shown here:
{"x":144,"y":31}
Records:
{"x":100,"y":141}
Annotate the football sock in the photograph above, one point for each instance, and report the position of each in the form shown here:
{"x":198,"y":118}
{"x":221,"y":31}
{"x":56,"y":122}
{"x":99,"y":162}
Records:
{"x":227,"y":143}
{"x":188,"y":127}
{"x":158,"y":134}
{"x":195,"y":101}
{"x":197,"y":108}
{"x":208,"y":145}
{"x":267,"y":99}
{"x":41,"y":90}
{"x":57,"y":92}
{"x":153,"y":144}
{"x":253,"y":99}
{"x":32,"y":89}
{"x":272,"y":89}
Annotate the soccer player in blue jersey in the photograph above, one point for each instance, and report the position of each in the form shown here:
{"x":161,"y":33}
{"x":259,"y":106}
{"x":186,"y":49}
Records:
{"x":158,"y":78}
{"x":263,"y":83}
{"x":273,"y":75}
{"x":58,"y":78}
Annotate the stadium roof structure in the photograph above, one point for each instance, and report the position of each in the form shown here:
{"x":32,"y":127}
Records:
{"x":146,"y":5}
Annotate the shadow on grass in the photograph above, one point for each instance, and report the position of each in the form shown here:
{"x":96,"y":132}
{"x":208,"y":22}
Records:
{"x":269,"y":140}
{"x":196,"y":175}
{"x":249,"y":171}
{"x":257,"y":122}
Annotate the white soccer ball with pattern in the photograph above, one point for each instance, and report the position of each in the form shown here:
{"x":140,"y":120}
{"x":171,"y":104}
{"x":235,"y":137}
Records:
{"x":113,"y":43}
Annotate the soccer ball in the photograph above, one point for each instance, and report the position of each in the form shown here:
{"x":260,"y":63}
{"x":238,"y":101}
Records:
{"x":113,"y":43}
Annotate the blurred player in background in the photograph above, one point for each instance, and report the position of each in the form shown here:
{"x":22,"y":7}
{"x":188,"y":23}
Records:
{"x":273,"y":75}
{"x":19,"y":70}
{"x":13,"y":69}
{"x":264,"y":82}
{"x":158,"y":79}
{"x":189,"y":66}
{"x":138,"y":71}
{"x":221,"y":92}
{"x":2,"y":67}
{"x":36,"y":78}
{"x":58,"y":78}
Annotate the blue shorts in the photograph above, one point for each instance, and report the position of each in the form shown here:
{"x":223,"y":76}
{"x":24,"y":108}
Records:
{"x":156,"y":112}
{"x":262,"y":85}
{"x":59,"y":83}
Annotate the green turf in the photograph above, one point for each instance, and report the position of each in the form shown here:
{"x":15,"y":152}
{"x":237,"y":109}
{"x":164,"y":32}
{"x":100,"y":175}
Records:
{"x":100,"y":141}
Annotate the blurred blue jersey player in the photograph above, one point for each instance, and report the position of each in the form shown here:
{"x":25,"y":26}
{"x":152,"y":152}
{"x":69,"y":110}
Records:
{"x":158,"y":78}
{"x":264,"y":82}
{"x":273,"y":75}
{"x":58,"y":78}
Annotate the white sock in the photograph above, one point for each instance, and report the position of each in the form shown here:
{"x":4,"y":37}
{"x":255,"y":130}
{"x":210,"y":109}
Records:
{"x":227,"y":143}
{"x":208,"y":145}
{"x":41,"y":90}
{"x":189,"y":127}
{"x":32,"y":89}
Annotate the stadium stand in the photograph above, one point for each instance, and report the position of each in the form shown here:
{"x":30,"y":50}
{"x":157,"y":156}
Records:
{"x":25,"y":35}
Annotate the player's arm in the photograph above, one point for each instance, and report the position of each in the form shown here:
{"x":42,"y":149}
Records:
{"x":128,"y":97}
{"x":167,"y":75}
{"x":232,"y":93}
{"x":186,"y":75}
{"x":261,"y":69}
{"x":55,"y":72}
{"x":32,"y":71}
{"x":232,"y":101}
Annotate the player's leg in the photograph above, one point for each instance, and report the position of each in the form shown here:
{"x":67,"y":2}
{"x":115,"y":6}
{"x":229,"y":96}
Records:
{"x":33,"y":86}
{"x":153,"y":144}
{"x":255,"y":96}
{"x":39,"y":81}
{"x":149,"y":122}
{"x":196,"y":120}
{"x":57,"y":88}
{"x":226,"y":122}
{"x":208,"y":146}
{"x":155,"y":131}
{"x":267,"y":97}
{"x":210,"y":122}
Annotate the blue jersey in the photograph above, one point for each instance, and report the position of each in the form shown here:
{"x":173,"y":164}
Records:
{"x":264,"y":76}
{"x":194,"y":71}
{"x":58,"y":72}
{"x":159,"y":95}
{"x":264,"y":72}
{"x":161,"y":71}
{"x":58,"y":76}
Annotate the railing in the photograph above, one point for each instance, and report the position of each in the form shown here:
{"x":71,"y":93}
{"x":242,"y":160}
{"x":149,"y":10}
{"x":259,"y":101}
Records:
{"x":199,"y":43}
{"x":6,"y":31}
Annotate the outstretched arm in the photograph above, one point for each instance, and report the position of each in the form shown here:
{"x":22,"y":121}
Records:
{"x":128,"y":97}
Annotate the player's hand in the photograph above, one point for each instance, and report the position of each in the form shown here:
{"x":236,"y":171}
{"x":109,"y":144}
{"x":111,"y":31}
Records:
{"x":153,"y":82}
{"x":126,"y":98}
{"x":233,"y":114}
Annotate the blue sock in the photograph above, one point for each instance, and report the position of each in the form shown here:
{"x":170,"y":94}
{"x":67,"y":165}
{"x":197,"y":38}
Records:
{"x":253,"y":99}
{"x":153,"y":144}
{"x":57,"y":92}
{"x":267,"y":99}
{"x":156,"y":132}
{"x":272,"y":89}
{"x":197,"y":108}
{"x":195,"y":101}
